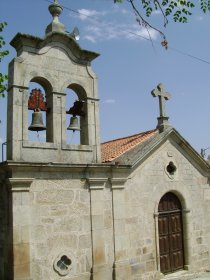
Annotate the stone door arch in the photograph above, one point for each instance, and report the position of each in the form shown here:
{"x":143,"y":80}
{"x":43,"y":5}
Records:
{"x":170,"y":230}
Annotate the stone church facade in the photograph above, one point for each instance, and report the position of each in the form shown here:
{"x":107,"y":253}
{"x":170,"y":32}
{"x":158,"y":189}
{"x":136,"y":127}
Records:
{"x":131,"y":208}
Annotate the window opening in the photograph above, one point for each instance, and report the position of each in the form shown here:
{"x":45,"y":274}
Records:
{"x":72,"y":118}
{"x":37,"y":107}
{"x":171,"y":168}
{"x":63,"y":264}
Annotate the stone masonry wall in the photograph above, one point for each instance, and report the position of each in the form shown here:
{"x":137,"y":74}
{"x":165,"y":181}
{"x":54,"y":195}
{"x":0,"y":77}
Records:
{"x":143,"y":191}
{"x":102,"y":228}
{"x":4,"y":232}
{"x":60,"y":225}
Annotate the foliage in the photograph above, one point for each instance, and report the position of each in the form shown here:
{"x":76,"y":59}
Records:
{"x":3,"y":53}
{"x":179,"y":10}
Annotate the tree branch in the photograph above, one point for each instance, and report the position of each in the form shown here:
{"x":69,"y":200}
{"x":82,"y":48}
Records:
{"x":143,"y":21}
{"x":163,"y":14}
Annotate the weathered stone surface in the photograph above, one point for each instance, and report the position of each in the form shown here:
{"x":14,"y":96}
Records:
{"x":108,"y":225}
{"x":57,"y":201}
{"x":48,"y":197}
{"x":56,"y":59}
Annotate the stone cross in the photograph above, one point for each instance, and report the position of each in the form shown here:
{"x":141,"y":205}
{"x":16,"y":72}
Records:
{"x":159,"y":91}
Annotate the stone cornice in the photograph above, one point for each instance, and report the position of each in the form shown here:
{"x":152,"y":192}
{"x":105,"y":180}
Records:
{"x":24,"y":40}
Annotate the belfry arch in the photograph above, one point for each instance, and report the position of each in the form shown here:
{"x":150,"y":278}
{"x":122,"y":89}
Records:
{"x":76,"y":114}
{"x":42,"y":88}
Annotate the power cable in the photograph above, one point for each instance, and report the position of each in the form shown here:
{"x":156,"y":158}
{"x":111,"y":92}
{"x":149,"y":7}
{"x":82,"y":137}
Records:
{"x":138,"y":35}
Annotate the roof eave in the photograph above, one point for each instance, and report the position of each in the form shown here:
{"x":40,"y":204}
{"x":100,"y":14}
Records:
{"x":157,"y":140}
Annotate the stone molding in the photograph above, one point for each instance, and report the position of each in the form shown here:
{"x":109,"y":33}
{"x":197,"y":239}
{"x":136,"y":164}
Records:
{"x":21,"y":88}
{"x":76,"y":147}
{"x":19,"y":184}
{"x":118,"y":183}
{"x":96,"y":183}
{"x":40,"y":145}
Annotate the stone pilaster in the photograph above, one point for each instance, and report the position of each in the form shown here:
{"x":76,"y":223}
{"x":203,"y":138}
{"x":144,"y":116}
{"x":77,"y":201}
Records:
{"x":100,"y":268}
{"x":187,"y":229}
{"x":161,"y":275}
{"x":19,"y":227}
{"x":17,"y":116}
{"x":121,"y":266}
{"x":56,"y":120}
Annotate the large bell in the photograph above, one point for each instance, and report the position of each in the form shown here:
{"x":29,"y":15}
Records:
{"x":37,"y":122}
{"x":74,"y":124}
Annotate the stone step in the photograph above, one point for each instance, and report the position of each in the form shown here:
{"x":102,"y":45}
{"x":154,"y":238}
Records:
{"x":184,"y":275}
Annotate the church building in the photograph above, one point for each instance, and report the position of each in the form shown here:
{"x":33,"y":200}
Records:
{"x":134,"y":208}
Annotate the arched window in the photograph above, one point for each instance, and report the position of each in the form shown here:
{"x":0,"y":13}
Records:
{"x":72,"y":121}
{"x":76,"y":118}
{"x":38,"y":114}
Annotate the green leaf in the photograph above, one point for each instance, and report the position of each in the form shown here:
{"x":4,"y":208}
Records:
{"x":3,"y":78}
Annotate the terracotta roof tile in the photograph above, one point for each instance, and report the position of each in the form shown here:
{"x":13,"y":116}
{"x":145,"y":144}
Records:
{"x":112,"y":149}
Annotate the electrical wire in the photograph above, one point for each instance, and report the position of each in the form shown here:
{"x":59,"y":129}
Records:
{"x":138,"y":35}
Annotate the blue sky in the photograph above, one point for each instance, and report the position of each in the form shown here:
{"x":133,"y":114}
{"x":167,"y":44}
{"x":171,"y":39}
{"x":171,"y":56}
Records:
{"x":129,"y":66}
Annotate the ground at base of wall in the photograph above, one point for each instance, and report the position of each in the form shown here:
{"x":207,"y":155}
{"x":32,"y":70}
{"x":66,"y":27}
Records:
{"x":184,"y":275}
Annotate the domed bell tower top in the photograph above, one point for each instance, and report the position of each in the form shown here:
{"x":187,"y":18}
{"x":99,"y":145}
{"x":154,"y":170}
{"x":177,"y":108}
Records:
{"x":56,"y":63}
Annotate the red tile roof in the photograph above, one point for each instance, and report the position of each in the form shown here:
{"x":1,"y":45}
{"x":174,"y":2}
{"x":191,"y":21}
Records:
{"x":112,"y":149}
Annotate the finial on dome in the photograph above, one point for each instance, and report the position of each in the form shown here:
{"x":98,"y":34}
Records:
{"x":55,"y":9}
{"x":55,"y":26}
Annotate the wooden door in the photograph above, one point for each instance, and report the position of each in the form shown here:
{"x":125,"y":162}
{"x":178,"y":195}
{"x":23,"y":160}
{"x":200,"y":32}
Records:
{"x":170,"y":234}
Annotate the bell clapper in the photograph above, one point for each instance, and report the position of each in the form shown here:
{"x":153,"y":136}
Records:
{"x":72,"y":136}
{"x":38,"y":136}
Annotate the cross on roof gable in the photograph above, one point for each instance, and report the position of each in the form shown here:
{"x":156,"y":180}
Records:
{"x":162,"y":95}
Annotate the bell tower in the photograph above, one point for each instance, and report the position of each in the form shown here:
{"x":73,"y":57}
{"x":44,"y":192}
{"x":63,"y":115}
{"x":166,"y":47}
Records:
{"x":57,"y":63}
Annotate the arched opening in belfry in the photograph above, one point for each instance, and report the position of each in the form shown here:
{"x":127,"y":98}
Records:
{"x":38,"y":109}
{"x":75,"y":114}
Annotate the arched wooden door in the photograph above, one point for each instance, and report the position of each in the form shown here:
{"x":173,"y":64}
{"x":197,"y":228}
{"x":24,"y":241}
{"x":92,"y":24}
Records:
{"x":170,"y":234}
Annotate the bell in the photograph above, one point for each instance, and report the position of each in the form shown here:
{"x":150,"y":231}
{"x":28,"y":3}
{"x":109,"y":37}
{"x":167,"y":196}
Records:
{"x":74,"y":124}
{"x":37,"y":122}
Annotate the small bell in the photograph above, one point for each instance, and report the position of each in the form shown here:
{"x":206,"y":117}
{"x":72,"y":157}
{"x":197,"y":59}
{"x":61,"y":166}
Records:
{"x":74,"y":124}
{"x":37,"y":122}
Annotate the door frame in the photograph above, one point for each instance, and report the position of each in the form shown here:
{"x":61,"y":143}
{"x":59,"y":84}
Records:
{"x":186,"y":225}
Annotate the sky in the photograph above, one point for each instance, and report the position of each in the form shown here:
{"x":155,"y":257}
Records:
{"x":130,"y":66}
